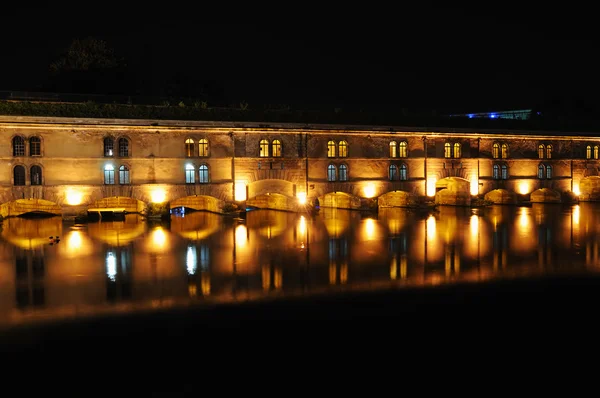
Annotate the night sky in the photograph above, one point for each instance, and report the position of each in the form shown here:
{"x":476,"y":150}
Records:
{"x":442,"y":58}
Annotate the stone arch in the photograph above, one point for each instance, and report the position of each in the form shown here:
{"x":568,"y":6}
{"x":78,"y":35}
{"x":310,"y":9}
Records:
{"x":501,"y":196}
{"x":271,"y":186}
{"x":340,"y":200}
{"x":274,"y":201}
{"x":545,"y":195}
{"x":397,"y":199}
{"x":19,"y":207}
{"x":199,"y":202}
{"x":453,"y":191}
{"x":589,"y":188}
{"x":129,"y":205}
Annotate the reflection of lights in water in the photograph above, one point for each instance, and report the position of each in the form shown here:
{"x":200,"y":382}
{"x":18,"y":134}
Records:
{"x":431,"y":227}
{"x":302,"y":225}
{"x":369,"y":228}
{"x":576,"y":214}
{"x":241,"y":236}
{"x":191,"y":260}
{"x":111,"y":266}
{"x":74,"y":240}
{"x":474,"y":225}
{"x":159,"y":238}
{"x":523,"y":218}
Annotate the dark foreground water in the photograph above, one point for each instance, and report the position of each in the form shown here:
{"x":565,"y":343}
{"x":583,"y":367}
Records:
{"x":53,"y":270}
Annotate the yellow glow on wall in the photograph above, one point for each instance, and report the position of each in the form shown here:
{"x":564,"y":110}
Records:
{"x":158,"y":195}
{"x":576,"y":189}
{"x":431,"y":186}
{"x":240,"y":190}
{"x":301,"y":198}
{"x":524,"y":188}
{"x":474,"y":185}
{"x":369,"y":190}
{"x":73,"y":197}
{"x":241,"y":236}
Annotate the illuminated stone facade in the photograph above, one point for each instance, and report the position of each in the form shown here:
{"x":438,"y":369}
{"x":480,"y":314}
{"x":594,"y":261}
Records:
{"x":77,"y":164}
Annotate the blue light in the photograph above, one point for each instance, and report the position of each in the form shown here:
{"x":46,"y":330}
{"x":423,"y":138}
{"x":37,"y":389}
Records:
{"x":493,"y":115}
{"x":470,"y":116}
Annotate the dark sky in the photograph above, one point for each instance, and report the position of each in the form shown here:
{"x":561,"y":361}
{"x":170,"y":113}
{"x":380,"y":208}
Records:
{"x":428,"y":57}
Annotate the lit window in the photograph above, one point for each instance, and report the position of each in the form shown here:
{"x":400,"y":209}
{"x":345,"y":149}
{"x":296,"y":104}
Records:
{"x":276,"y":148}
{"x":109,"y":174}
{"x":504,"y":172}
{"x":541,"y":151}
{"x":456,"y":150}
{"x":447,"y":150}
{"x":403,"y":150}
{"x":496,"y":172}
{"x":331,"y":149}
{"x":596,"y":152}
{"x":190,"y":174}
{"x":403,"y":172}
{"x":504,"y":151}
{"x":109,"y":146}
{"x":36,"y":175}
{"x":203,"y":147}
{"x":343,"y":172}
{"x":18,"y":146}
{"x":264,"y":149}
{"x":393,"y":149}
{"x":393,"y":172}
{"x":588,"y":152}
{"x":343,"y":149}
{"x":19,"y":175}
{"x":203,"y":174}
{"x":189,"y":147}
{"x":331,"y":172}
{"x":495,"y":151}
{"x":123,"y":175}
{"x":35,"y":146}
{"x":549,"y":151}
{"x":123,"y":147}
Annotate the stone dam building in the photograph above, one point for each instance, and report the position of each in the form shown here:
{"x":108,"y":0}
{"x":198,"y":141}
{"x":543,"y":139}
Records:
{"x":67,"y":166}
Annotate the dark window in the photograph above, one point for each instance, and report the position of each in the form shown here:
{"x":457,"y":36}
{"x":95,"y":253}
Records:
{"x":109,"y":146}
{"x":123,"y":147}
{"x":36,"y":175}
{"x":35,"y":146}
{"x":123,"y":175}
{"x":19,"y":175}
{"x":18,"y":146}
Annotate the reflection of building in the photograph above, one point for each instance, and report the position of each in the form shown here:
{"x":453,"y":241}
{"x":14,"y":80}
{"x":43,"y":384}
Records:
{"x":30,"y":278}
{"x":118,"y":273}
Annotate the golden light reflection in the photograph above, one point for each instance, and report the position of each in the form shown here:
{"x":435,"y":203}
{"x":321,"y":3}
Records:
{"x":240,"y":190}
{"x":205,"y":283}
{"x":524,"y":188}
{"x":369,"y":229}
{"x":159,"y":238}
{"x":576,"y":214}
{"x":302,"y":225}
{"x":73,"y":196}
{"x":431,"y":186}
{"x":474,"y":225}
{"x":116,"y":233}
{"x":431,"y":224}
{"x":369,"y":191}
{"x":158,"y":195}
{"x":524,"y":221}
{"x":301,"y":198}
{"x":74,"y":240}
{"x":241,"y":236}
{"x":30,"y":233}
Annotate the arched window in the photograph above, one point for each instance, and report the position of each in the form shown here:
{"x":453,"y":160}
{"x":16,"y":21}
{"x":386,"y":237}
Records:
{"x":403,"y":172}
{"x":549,"y":151}
{"x":276,"y":148}
{"x":264,"y":149}
{"x":18,"y":146}
{"x":596,"y":152}
{"x":343,"y":149}
{"x":109,"y":174}
{"x":504,"y":151}
{"x":541,"y":151}
{"x":588,"y":152}
{"x":123,"y":147}
{"x":403,"y":152}
{"x":496,"y":172}
{"x":189,"y":147}
{"x":331,"y":149}
{"x":123,"y":175}
{"x":190,"y":174}
{"x":495,"y":151}
{"x":548,"y":172}
{"x":35,"y":174}
{"x":504,"y":172}
{"x":19,"y":175}
{"x":456,"y":150}
{"x":393,"y":172}
{"x":331,"y":172}
{"x":109,"y":146}
{"x":447,"y":150}
{"x":35,"y":146}
{"x":343,"y":173}
{"x":203,"y":174}
{"x":203,"y":147}
{"x":541,"y":171}
{"x":393,"y":149}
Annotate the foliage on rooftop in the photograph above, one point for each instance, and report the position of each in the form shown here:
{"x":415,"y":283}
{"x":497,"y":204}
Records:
{"x":199,"y":111}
